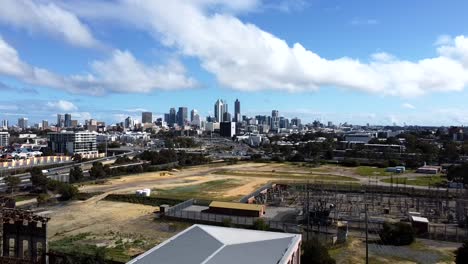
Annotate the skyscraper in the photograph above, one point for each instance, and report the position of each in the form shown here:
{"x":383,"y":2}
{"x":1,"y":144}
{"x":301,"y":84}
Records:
{"x":45,"y":124}
{"x":172,"y":117}
{"x":23,"y":123}
{"x":4,"y":124}
{"x":128,"y":122}
{"x":68,"y":120}
{"x":237,"y":111}
{"x":60,"y":120}
{"x":220,"y":108}
{"x":182,"y":116}
{"x":192,"y":114}
{"x":146,"y":117}
{"x":226,"y":117}
{"x":274,"y":119}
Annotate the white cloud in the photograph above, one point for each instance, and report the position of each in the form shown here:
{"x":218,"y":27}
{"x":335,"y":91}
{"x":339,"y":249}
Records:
{"x":443,"y":40}
{"x":358,"y":21}
{"x":133,"y":110}
{"x":408,"y":106}
{"x":244,"y":57}
{"x":62,"y":105}
{"x":35,"y":16}
{"x":122,"y":73}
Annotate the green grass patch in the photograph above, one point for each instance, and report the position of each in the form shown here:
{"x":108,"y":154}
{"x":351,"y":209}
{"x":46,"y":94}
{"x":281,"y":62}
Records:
{"x":371,"y":171}
{"x":418,"y":181}
{"x":288,"y":175}
{"x":207,"y":190}
{"x":24,"y":197}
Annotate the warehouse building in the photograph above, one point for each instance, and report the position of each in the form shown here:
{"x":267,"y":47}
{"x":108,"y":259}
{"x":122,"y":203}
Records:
{"x":236,"y":209}
{"x":214,"y":245}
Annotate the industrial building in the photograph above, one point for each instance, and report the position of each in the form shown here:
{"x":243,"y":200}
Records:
{"x":72,"y":143}
{"x":213,"y":244}
{"x":236,"y":209}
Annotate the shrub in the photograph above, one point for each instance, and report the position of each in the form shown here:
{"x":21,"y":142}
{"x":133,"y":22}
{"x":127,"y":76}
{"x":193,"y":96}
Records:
{"x":350,"y":163}
{"x":397,"y":234}
{"x":43,"y":198}
{"x":313,"y":252}
{"x":461,"y":254}
{"x":227,"y":222}
{"x":260,"y":224}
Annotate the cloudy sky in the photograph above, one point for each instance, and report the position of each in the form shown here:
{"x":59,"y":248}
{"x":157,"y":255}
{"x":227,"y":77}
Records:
{"x":378,"y":62}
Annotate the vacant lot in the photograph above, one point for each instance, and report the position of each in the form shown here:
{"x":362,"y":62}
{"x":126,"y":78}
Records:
{"x":418,"y":181}
{"x":273,"y":174}
{"x":421,"y":251}
{"x":122,"y":229}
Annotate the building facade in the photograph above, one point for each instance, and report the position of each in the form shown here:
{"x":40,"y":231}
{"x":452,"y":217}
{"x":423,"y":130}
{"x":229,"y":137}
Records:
{"x":4,"y":137}
{"x":182,"y":116}
{"x":220,"y":108}
{"x":72,"y":143}
{"x":23,"y":123}
{"x":227,"y":129}
{"x":237,"y":111}
{"x":146,"y":117}
{"x":68,"y":120}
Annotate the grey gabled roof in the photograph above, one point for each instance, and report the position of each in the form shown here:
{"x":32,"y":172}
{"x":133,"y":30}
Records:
{"x":201,"y":244}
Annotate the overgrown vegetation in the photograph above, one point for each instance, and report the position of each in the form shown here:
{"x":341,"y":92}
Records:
{"x":397,"y":234}
{"x":313,"y":252}
{"x":131,"y":198}
{"x":461,"y":254}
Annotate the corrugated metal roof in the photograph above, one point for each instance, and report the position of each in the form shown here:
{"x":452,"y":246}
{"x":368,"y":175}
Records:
{"x":201,"y":244}
{"x":419,"y":219}
{"x":240,"y":206}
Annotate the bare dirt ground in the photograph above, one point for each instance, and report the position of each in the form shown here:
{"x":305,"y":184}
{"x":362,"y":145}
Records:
{"x":103,"y":219}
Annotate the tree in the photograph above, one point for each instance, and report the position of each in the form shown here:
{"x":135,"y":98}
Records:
{"x":397,"y":234}
{"x":12,"y":182}
{"x":313,"y":252}
{"x":458,"y":173}
{"x":67,"y":191}
{"x":77,"y":158}
{"x":76,"y":174}
{"x":38,"y":179}
{"x":97,"y":171}
{"x":461,"y":254}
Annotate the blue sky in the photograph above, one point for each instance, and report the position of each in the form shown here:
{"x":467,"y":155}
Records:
{"x":378,"y":62}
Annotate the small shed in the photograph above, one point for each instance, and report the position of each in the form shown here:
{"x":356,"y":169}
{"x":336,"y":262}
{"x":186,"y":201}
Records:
{"x":419,"y":224}
{"x":236,"y":209}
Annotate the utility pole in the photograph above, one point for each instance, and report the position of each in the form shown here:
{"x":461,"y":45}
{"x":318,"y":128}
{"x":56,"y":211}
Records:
{"x":367,"y":236}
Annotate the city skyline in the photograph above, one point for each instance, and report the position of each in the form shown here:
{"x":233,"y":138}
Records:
{"x":327,"y":60}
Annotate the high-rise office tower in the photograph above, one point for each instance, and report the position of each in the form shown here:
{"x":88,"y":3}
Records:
{"x":296,"y":122}
{"x":129,"y":122}
{"x":60,"y":120}
{"x":274,"y":119}
{"x":237,"y":111}
{"x":4,"y":124}
{"x":45,"y":124}
{"x":68,"y":120}
{"x":146,"y":117}
{"x":172,"y":117}
{"x":182,"y":116}
{"x":226,"y":117}
{"x":192,"y":114}
{"x":23,"y":123}
{"x":220,"y":108}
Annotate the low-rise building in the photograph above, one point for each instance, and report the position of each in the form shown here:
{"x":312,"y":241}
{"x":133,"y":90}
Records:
{"x":214,"y":244}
